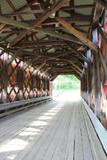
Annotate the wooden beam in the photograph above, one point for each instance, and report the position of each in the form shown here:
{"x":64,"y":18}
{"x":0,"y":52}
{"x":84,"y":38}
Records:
{"x":103,"y":3}
{"x":41,"y":19}
{"x":73,"y":18}
{"x":97,"y":83}
{"x":37,"y":11}
{"x":56,"y":54}
{"x":64,"y":73}
{"x":77,"y":34}
{"x":2,"y":26}
{"x":53,"y":77}
{"x":36,"y":47}
{"x":97,"y":12}
{"x":75,"y":67}
{"x":54,"y":68}
{"x":14,"y":23}
{"x":61,"y":70}
{"x":103,"y":63}
{"x":77,"y":53}
{"x":76,"y":7}
{"x":42,"y":42}
{"x":103,"y":33}
{"x":41,"y":66}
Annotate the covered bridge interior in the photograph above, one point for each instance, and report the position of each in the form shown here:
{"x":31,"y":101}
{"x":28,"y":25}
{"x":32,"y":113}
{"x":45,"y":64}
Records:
{"x":41,"y":39}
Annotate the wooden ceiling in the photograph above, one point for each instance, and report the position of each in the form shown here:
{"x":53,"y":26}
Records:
{"x":51,"y":35}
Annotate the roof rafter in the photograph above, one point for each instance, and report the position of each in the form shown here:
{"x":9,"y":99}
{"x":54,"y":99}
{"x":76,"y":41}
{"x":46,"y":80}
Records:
{"x":103,"y":3}
{"x":77,"y":34}
{"x":41,"y":19}
{"x":52,"y":33}
{"x":2,"y":26}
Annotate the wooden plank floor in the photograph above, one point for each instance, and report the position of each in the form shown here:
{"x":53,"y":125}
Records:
{"x":51,"y":131}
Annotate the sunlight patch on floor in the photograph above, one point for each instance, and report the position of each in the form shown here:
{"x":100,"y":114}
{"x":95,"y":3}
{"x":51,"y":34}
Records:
{"x":45,"y":117}
{"x":11,"y":157}
{"x":12,"y":148}
{"x":14,"y":145}
{"x":38,"y":123}
{"x":30,"y":133}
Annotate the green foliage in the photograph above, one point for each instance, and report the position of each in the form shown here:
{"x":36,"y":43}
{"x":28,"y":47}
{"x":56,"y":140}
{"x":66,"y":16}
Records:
{"x":66,"y":82}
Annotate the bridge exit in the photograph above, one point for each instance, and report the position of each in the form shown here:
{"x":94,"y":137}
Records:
{"x":67,"y":85}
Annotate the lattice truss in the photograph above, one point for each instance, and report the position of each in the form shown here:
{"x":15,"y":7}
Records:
{"x":103,"y":73}
{"x":18,"y":80}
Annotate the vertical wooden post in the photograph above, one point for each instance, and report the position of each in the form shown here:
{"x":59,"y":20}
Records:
{"x":46,"y":87}
{"x":50,"y":87}
{"x":86,"y":87}
{"x":89,"y":81}
{"x":83,"y":87}
{"x":44,"y":81}
{"x":4,"y":78}
{"x":97,"y":84}
{"x":37,"y":86}
{"x":20,"y":75}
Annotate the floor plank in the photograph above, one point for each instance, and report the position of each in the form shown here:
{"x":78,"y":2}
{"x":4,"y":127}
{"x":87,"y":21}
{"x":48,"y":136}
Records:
{"x":51,"y":131}
{"x":87,"y":151}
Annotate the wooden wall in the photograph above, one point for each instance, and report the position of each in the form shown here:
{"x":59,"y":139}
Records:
{"x":19,"y":80}
{"x":94,"y":81}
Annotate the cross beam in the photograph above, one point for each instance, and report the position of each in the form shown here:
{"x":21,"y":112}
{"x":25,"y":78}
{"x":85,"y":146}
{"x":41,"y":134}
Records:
{"x":2,"y":26}
{"x":74,"y":66}
{"x":77,"y":34}
{"x":14,"y":23}
{"x":103,"y":3}
{"x":102,"y":32}
{"x":40,"y":19}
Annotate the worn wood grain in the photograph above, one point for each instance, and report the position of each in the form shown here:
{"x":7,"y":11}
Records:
{"x":51,"y":131}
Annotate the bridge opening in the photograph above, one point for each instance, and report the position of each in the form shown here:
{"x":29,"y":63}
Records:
{"x":66,"y":87}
